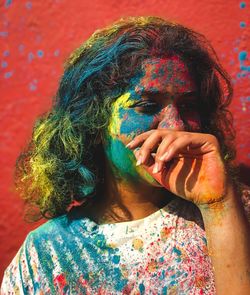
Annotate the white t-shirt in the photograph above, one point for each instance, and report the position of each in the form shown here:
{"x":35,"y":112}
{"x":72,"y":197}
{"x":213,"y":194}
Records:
{"x":164,"y":253}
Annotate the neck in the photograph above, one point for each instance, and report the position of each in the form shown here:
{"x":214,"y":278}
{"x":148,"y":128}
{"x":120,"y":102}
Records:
{"x":128,"y":200}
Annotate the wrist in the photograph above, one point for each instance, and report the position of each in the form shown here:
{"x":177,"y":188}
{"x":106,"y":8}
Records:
{"x":227,"y":201}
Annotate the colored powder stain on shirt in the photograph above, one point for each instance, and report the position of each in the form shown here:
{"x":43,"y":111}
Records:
{"x":75,"y":257}
{"x":142,"y":288}
{"x":177,"y":251}
{"x":116,"y":259}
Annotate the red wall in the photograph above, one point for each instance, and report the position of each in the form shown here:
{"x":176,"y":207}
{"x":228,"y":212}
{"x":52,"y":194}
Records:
{"x":37,"y":36}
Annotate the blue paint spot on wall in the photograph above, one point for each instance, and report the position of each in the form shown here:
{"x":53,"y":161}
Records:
{"x":40,"y":53}
{"x":28,"y":5}
{"x":6,"y":53}
{"x":21,"y":48}
{"x":8,"y":75}
{"x":242,"y":24}
{"x":32,"y":87}
{"x":4,"y":34}
{"x":30,"y":56}
{"x":242,"y":58}
{"x":242,"y":4}
{"x":4,"y":64}
{"x":8,"y":3}
{"x":56,"y":52}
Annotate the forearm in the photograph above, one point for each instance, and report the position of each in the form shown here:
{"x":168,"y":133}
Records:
{"x":228,"y":236}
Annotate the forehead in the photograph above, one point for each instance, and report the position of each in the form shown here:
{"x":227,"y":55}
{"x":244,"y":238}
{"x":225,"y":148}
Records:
{"x":164,"y":75}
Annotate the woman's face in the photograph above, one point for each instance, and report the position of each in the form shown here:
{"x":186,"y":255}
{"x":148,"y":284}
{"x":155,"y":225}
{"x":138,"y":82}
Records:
{"x":161,"y":95}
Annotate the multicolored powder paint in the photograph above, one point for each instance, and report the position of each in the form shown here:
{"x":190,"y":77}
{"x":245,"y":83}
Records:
{"x":118,"y":84}
{"x":164,"y":253}
{"x":161,"y":95}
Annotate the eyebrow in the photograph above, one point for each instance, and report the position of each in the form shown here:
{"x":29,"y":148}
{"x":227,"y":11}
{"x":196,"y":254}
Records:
{"x":156,"y":95}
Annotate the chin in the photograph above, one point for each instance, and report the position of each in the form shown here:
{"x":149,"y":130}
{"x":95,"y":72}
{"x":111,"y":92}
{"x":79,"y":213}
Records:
{"x":147,"y":178}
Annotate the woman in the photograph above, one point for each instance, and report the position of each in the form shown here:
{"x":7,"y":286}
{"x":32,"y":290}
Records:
{"x":132,"y":162}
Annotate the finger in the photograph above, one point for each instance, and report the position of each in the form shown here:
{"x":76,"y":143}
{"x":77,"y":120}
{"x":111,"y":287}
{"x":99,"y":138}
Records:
{"x":162,"y":151}
{"x":150,"y":145}
{"x":139,"y":139}
{"x":181,"y":145}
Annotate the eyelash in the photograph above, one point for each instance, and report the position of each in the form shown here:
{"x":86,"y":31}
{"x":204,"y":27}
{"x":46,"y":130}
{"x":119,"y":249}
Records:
{"x":152,"y":107}
{"x":146,"y":106}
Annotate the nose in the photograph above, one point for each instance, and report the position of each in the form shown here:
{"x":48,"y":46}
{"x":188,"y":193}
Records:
{"x":169,"y":118}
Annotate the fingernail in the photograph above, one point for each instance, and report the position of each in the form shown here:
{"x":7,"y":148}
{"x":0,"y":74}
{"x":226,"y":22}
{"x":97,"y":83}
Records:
{"x":156,"y":168}
{"x":163,"y":156}
{"x":129,"y":144}
{"x":139,"y":161}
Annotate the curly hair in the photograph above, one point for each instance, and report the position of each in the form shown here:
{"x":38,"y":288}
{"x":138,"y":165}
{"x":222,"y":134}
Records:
{"x":61,"y":164}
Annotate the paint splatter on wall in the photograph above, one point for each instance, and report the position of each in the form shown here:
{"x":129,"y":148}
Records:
{"x":37,"y":36}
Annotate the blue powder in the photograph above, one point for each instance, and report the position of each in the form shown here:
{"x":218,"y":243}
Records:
{"x":21,"y":48}
{"x":142,"y":288}
{"x":28,"y":5}
{"x":116,"y":259}
{"x":6,"y":53}
{"x":242,"y":24}
{"x":242,"y":4}
{"x":40,"y":53}
{"x":4,"y":34}
{"x":8,"y":75}
{"x":177,"y":251}
{"x":30,"y":56}
{"x":161,"y":259}
{"x":56,"y":52}
{"x":32,"y":87}
{"x":242,"y":56}
{"x":8,"y":3}
{"x":4,"y":64}
{"x":165,"y":290}
{"x":162,"y":276}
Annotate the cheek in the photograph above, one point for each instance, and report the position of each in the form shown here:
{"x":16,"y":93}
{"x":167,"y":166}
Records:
{"x":193,"y":121}
{"x":134,"y":123}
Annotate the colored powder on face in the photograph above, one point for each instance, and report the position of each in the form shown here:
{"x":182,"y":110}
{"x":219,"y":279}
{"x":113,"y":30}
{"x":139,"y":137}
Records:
{"x":115,"y":122}
{"x":121,"y":158}
{"x":131,"y":116}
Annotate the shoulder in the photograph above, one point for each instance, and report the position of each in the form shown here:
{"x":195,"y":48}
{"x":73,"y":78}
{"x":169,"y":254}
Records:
{"x":41,"y":252}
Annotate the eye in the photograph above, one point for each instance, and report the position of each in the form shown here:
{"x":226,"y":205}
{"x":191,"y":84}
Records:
{"x":146,"y":106}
